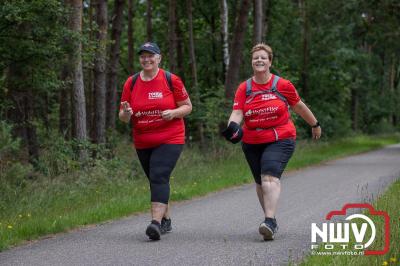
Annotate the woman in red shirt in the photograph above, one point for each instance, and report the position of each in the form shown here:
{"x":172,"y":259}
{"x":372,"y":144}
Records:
{"x":268,"y":132}
{"x":155,"y":101}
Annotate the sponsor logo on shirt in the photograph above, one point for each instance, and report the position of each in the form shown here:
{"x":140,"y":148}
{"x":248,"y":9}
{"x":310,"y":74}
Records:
{"x":266,"y":97}
{"x":184,"y":92}
{"x":149,"y":113}
{"x":263,"y":111}
{"x":155,"y":95}
{"x":235,"y":104}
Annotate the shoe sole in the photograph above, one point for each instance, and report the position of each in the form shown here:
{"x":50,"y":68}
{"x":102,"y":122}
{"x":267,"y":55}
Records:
{"x":152,"y":232}
{"x":166,"y":231}
{"x":266,"y":232}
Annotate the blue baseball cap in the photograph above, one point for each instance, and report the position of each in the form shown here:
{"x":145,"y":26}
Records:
{"x":150,"y":47}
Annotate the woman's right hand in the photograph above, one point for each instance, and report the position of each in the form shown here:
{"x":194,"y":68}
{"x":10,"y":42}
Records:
{"x":233,"y":132}
{"x":127,"y":108}
{"x":126,"y":112}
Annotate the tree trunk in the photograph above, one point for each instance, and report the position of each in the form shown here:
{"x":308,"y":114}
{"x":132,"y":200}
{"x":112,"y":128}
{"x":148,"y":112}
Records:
{"x":258,"y":21}
{"x":306,"y":50}
{"x":237,"y":50}
{"x":180,"y":52}
{"x":396,"y":87}
{"x":265,"y":17}
{"x":112,"y":81}
{"x":100,"y":72}
{"x":193,"y":67}
{"x":44,"y":113}
{"x":33,"y":145}
{"x":64,"y":99}
{"x":172,"y":41}
{"x":149,"y":26}
{"x":215,"y":50}
{"x":64,"y":119}
{"x":131,"y":49}
{"x":78,"y":92}
{"x":90,"y":102}
{"x":224,"y":36}
{"x":393,"y":96}
{"x":354,"y":109}
{"x":23,"y":113}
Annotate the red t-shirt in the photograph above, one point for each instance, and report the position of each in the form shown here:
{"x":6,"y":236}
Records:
{"x":148,"y":99}
{"x":266,"y":117}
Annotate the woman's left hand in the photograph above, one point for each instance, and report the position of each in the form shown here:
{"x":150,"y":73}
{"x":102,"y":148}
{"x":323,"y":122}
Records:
{"x":316,"y":132}
{"x":168,"y":115}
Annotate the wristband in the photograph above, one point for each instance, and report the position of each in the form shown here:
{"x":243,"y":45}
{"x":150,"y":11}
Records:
{"x":316,"y":125}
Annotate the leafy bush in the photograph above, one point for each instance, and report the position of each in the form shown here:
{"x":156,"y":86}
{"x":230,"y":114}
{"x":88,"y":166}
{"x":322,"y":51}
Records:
{"x":13,"y":174}
{"x":8,"y":144}
{"x":57,"y":156}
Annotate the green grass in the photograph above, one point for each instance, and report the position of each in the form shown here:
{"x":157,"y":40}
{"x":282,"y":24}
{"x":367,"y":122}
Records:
{"x":116,"y":188}
{"x":387,"y":202}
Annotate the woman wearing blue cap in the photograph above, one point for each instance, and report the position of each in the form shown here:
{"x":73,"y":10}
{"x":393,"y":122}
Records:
{"x":155,"y":101}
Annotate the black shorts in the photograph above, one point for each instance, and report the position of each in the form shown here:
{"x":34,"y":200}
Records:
{"x":268,"y":158}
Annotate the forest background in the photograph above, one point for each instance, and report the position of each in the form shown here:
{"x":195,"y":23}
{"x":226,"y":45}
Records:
{"x":63,"y":65}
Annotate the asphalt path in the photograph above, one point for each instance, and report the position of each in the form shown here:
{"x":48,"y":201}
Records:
{"x":222,"y":228}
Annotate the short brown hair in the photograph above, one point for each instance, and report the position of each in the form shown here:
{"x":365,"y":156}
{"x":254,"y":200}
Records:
{"x":263,"y":46}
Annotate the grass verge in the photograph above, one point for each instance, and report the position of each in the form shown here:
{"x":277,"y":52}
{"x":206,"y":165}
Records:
{"x":117,"y":188}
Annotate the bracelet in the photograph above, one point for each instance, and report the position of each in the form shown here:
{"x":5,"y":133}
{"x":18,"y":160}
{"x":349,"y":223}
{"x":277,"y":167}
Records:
{"x":316,"y":125}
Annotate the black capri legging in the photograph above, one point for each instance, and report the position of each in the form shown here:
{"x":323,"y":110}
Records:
{"x":268,"y":158}
{"x":158,"y":163}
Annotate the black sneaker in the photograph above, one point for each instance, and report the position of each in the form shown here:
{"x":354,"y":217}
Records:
{"x":153,"y":231}
{"x":268,"y":228}
{"x":166,"y":225}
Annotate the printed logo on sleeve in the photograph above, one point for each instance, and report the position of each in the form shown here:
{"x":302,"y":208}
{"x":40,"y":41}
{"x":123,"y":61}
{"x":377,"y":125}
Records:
{"x":184,"y":92}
